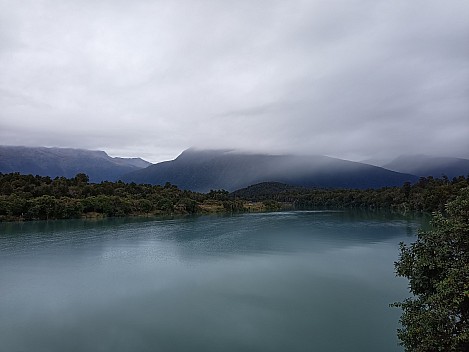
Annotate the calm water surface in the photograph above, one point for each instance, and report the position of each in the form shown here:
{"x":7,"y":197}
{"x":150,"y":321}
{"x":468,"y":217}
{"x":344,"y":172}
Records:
{"x":293,"y":281}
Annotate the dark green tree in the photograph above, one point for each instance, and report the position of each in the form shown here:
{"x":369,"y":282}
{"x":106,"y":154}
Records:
{"x":436,"y":318}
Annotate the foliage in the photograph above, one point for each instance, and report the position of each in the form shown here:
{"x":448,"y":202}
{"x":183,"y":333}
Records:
{"x":427,"y":195}
{"x":436,"y":318}
{"x":29,"y":197}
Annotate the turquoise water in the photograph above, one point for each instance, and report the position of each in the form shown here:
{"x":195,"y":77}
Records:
{"x":291,"y":281}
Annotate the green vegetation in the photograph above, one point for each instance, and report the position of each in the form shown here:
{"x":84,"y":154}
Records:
{"x":436,"y":318}
{"x":427,"y":195}
{"x":28,"y":197}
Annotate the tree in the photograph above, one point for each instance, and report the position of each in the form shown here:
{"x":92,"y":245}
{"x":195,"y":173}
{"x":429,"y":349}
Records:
{"x":436,"y":318}
{"x":81,"y":179}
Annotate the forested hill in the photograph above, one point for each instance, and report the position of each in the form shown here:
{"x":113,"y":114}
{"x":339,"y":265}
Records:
{"x":428,"y":194}
{"x":202,"y":170}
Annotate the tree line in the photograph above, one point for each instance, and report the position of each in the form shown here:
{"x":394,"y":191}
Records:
{"x":427,"y":195}
{"x":29,"y":197}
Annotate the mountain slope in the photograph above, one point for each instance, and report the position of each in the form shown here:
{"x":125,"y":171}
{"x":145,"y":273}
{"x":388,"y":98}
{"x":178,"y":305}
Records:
{"x":425,"y":165}
{"x":222,"y":169}
{"x":66,"y":162}
{"x":266,"y":191}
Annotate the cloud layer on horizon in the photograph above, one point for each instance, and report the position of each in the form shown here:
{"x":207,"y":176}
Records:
{"x":354,"y":79}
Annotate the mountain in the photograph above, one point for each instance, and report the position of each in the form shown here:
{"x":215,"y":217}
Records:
{"x":135,"y":162}
{"x":202,"y":170}
{"x":425,"y":165}
{"x":66,"y":162}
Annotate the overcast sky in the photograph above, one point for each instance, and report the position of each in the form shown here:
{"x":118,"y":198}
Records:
{"x":354,"y":79}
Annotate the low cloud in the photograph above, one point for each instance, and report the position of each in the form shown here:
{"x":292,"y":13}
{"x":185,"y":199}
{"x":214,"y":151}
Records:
{"x":353,"y":79}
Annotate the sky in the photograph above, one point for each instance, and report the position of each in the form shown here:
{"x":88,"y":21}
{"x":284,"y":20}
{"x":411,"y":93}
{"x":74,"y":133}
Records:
{"x":355,"y":79}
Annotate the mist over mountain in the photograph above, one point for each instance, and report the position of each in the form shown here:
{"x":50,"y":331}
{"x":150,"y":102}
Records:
{"x":426,"y":165}
{"x":66,"y":162}
{"x":203,"y":170}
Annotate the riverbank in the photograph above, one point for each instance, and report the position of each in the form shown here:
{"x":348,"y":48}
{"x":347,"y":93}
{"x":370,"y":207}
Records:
{"x":27,"y":197}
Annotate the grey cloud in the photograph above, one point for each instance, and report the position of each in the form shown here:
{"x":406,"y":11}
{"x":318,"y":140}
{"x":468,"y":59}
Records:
{"x":356,"y":79}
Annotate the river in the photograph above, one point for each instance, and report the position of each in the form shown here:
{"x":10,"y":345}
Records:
{"x":284,"y":281}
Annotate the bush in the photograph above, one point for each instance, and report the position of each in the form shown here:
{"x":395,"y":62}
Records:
{"x":436,"y":318}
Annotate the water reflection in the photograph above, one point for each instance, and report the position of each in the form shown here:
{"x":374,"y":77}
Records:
{"x":295,"y":281}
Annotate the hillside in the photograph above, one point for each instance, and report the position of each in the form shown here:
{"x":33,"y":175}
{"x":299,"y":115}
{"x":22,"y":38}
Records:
{"x":66,"y":162}
{"x":266,"y":191}
{"x":202,"y":170}
{"x":425,"y":165}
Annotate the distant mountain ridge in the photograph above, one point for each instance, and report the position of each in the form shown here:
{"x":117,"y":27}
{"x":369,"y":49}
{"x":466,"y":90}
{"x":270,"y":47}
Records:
{"x":66,"y":162}
{"x":426,"y":165}
{"x":202,"y":170}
